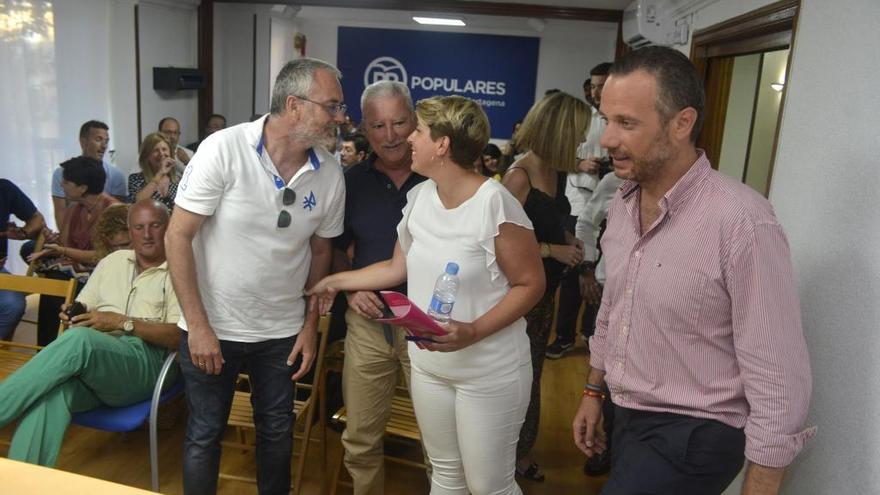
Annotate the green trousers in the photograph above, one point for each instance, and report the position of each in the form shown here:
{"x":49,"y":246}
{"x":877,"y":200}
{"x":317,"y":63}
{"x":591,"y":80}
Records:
{"x":83,"y":369}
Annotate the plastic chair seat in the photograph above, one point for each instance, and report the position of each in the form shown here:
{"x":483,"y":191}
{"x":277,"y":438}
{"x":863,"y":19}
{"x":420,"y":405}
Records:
{"x":129,"y":418}
{"x":126,"y":418}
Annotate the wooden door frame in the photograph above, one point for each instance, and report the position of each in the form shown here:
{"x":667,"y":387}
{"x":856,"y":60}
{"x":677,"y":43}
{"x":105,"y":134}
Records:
{"x":768,"y":28}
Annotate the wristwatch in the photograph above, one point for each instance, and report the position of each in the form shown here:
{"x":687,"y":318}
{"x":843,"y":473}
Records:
{"x":128,"y":326}
{"x":545,"y":250}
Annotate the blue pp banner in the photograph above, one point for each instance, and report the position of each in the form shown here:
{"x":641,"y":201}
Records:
{"x":499,"y":72}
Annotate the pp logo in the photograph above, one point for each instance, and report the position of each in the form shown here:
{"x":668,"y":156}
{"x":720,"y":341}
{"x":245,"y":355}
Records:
{"x":384,"y":69}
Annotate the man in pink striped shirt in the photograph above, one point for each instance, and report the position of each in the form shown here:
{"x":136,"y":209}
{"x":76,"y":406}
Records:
{"x":698,"y":336}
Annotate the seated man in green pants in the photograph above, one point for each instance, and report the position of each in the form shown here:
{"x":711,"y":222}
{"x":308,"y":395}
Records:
{"x":110,"y":355}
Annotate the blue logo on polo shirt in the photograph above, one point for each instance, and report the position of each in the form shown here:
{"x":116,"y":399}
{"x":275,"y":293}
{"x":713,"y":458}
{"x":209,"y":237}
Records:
{"x":309,"y":201}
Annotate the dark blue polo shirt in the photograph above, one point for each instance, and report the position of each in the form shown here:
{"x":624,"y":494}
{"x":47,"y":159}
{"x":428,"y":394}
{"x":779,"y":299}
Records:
{"x":13,"y":202}
{"x":373,"y":208}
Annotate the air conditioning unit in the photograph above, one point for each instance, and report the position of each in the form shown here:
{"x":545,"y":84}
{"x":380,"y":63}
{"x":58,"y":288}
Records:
{"x":644,"y":24}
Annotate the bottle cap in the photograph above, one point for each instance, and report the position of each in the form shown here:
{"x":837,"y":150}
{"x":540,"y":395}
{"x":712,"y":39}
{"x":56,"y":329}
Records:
{"x":452,"y":268}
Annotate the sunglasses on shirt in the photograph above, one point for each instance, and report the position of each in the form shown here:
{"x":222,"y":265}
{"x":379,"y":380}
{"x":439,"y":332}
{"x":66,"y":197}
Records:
{"x":288,"y":197}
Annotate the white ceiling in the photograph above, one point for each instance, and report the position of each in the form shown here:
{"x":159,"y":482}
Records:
{"x":403,"y":17}
{"x":586,"y":4}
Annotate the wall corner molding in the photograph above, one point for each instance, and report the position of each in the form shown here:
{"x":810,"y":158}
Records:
{"x":187,"y":5}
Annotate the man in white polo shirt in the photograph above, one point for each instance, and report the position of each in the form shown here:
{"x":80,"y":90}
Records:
{"x":255,"y":212}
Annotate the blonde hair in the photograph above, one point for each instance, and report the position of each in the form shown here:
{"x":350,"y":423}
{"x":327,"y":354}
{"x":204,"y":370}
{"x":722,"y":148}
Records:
{"x":113,"y":220}
{"x":460,"y":119}
{"x":147,"y":145}
{"x":553,"y":129}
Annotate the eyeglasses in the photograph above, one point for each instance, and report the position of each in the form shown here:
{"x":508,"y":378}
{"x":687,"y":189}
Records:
{"x":287,"y":198}
{"x":333,"y":109}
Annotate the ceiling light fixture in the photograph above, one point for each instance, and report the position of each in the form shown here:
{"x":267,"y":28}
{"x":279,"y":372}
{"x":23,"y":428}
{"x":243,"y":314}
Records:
{"x":438,"y":21}
{"x":777,"y":86}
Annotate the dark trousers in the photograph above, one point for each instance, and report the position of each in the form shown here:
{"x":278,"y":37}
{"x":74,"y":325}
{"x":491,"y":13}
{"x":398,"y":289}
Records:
{"x":48,"y":310}
{"x":663,"y":453}
{"x":538,"y":324}
{"x":209,"y":398}
{"x":570,"y":304}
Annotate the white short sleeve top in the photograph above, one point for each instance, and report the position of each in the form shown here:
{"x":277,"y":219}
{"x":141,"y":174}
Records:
{"x":430,"y":236}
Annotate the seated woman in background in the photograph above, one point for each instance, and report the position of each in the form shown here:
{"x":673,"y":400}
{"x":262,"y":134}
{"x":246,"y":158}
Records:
{"x":158,"y":177}
{"x":111,"y":233}
{"x":83,"y":184}
{"x":470,"y":387}
{"x":492,"y":162}
{"x":551,"y":132}
{"x":72,"y":251}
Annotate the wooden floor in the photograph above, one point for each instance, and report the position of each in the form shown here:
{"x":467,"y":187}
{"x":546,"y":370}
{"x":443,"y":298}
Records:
{"x":124,"y":458}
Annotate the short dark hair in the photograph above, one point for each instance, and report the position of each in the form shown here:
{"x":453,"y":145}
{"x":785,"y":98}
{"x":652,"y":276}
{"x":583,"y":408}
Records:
{"x":85,"y":171}
{"x":492,"y":150}
{"x":92,"y":124}
{"x":165,"y":119}
{"x":678,"y":86}
{"x":587,"y":83}
{"x":551,"y":91}
{"x":360,"y":142}
{"x":600,"y":70}
{"x":216,"y":115}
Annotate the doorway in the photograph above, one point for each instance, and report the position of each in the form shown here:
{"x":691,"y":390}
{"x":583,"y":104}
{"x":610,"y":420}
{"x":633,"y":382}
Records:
{"x":743,"y":63}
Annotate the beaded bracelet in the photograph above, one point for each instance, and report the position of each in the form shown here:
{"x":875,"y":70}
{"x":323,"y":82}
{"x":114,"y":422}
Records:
{"x":592,"y":393}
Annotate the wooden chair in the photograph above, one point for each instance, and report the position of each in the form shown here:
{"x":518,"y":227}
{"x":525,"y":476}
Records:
{"x":14,"y":355}
{"x":41,"y":239}
{"x":401,"y":425}
{"x":241,"y":415}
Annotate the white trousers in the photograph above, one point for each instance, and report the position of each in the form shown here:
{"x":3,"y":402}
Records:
{"x":470,"y":429}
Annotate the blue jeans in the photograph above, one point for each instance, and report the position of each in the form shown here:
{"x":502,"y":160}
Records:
{"x":12,"y":305}
{"x":209,"y":398}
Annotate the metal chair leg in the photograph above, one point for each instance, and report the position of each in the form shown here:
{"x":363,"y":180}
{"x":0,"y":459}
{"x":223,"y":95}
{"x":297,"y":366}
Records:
{"x":154,"y":410}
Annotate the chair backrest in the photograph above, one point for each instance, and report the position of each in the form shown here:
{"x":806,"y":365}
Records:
{"x":318,"y":366}
{"x":39,"y":285}
{"x":242,"y":413}
{"x":41,"y":239}
{"x":323,"y":332}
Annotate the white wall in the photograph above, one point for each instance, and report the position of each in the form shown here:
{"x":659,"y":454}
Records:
{"x":569,"y":49}
{"x":168,"y":37}
{"x":123,"y":84}
{"x":281,"y":48}
{"x":824,"y":189}
{"x":242,"y":74}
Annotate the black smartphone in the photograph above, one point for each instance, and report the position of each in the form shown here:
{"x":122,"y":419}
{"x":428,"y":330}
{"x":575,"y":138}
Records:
{"x":385,"y":308}
{"x":75,"y":309}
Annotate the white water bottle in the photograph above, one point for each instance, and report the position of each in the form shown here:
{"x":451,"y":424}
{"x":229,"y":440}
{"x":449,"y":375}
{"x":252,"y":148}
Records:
{"x":445,"y":290}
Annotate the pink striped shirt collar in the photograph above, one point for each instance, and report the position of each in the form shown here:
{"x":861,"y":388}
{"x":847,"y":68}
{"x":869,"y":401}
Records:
{"x":682,"y":189}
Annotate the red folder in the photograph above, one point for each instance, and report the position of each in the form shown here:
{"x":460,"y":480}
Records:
{"x":409,"y":316}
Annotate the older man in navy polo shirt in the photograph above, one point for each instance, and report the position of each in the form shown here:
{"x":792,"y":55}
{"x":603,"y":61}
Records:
{"x":374,"y":353}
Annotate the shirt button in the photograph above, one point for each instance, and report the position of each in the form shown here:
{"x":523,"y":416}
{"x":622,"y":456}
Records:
{"x":625,"y":329}
{"x":619,"y":365}
{"x":629,"y":292}
{"x":637,"y":254}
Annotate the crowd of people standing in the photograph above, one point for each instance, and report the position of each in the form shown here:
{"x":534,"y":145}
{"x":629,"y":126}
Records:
{"x":697,"y":362}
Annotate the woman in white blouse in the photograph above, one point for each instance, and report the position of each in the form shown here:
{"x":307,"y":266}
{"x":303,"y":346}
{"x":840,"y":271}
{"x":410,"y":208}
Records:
{"x":470,"y":388}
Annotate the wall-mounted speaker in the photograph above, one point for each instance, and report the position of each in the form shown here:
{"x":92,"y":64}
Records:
{"x":175,"y":78}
